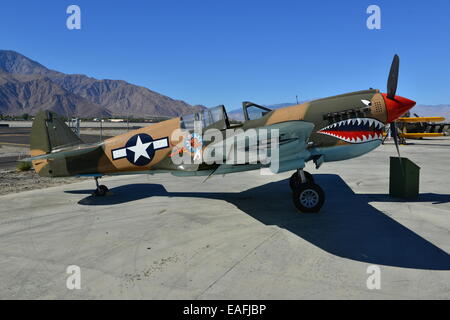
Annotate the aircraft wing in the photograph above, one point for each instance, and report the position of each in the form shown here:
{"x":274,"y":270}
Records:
{"x":292,"y":152}
{"x":421,"y":119}
{"x":284,"y":145}
{"x":421,"y":135}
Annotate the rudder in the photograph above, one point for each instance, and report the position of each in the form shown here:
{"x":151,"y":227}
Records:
{"x":49,"y":132}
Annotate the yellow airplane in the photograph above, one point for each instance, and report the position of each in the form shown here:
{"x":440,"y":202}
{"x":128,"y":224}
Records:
{"x":422,"y":127}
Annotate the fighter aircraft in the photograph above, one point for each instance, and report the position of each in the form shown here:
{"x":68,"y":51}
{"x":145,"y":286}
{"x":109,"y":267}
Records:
{"x":330,"y":129}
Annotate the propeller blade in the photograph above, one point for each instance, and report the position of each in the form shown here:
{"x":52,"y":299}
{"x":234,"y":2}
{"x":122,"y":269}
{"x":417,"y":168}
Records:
{"x":393,"y":78}
{"x":394,"y":134}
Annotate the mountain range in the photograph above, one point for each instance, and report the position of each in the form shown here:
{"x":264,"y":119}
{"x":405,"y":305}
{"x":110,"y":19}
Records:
{"x":26,"y":86}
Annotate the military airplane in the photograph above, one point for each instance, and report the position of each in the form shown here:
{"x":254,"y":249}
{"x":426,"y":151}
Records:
{"x":330,"y":129}
{"x":421,"y":127}
{"x":408,"y":127}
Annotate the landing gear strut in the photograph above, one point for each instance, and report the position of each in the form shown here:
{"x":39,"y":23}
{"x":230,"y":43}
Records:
{"x":296,"y":179}
{"x":101,"y":190}
{"x":308,"y":197}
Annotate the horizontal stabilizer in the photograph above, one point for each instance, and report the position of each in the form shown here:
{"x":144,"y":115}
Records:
{"x":64,"y":153}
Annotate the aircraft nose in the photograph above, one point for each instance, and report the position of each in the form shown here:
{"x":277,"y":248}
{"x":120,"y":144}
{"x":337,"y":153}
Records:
{"x":397,"y":107}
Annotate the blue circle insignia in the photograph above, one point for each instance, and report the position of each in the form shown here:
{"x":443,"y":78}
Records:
{"x":140,"y":150}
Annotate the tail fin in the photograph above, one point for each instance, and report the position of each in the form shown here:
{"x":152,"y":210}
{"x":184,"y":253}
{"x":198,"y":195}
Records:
{"x":49,"y":132}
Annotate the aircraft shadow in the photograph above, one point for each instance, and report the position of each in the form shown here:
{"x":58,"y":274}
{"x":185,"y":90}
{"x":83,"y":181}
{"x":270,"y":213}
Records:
{"x":348,"y":226}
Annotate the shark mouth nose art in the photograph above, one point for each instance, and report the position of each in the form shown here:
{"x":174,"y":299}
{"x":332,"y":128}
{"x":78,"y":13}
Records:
{"x":357,"y":130}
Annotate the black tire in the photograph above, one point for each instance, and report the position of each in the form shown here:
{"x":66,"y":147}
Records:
{"x":101,"y":191}
{"x":308,"y":198}
{"x":294,"y":181}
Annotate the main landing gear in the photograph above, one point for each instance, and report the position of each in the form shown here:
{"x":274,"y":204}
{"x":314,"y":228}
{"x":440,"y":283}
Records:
{"x":308,"y":197}
{"x":101,"y":190}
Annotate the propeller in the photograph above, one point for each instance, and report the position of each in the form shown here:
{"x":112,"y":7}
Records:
{"x":391,"y":92}
{"x":393,"y":78}
{"x":394,"y":134}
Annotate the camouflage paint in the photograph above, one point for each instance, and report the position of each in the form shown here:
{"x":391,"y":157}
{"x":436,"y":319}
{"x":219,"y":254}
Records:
{"x":49,"y":134}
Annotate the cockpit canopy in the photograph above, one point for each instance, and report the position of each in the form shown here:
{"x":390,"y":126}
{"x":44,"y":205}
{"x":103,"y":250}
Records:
{"x":208,"y":118}
{"x":253,"y":111}
{"x":217,"y":117}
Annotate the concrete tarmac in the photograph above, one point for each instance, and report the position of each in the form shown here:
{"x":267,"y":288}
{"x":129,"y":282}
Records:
{"x":234,"y":237}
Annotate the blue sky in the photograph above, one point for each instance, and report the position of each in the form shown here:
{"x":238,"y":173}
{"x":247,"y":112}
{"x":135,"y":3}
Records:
{"x":223,"y":52}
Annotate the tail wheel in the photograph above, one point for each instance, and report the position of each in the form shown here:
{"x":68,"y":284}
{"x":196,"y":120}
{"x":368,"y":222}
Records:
{"x":308,"y":197}
{"x":295,"y":181}
{"x":101,"y":191}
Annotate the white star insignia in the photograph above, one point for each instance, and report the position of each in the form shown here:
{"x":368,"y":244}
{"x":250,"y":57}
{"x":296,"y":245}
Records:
{"x":140,"y":149}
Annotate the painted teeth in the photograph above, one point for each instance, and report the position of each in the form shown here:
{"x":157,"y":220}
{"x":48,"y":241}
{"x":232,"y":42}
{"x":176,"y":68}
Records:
{"x":369,"y":124}
{"x":364,"y":138}
{"x":357,"y":121}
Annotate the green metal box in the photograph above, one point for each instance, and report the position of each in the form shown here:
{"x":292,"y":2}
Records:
{"x":404,"y":178}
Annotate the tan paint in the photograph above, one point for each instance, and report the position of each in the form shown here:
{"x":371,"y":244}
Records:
{"x":378,"y":108}
{"x":292,"y":113}
{"x":157,"y":131}
{"x":38,"y":165}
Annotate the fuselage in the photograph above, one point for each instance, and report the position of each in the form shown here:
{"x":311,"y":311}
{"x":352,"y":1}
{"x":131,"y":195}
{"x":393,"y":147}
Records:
{"x":345,"y":126}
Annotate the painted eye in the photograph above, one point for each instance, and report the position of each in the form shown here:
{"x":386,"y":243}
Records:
{"x":366,"y":102}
